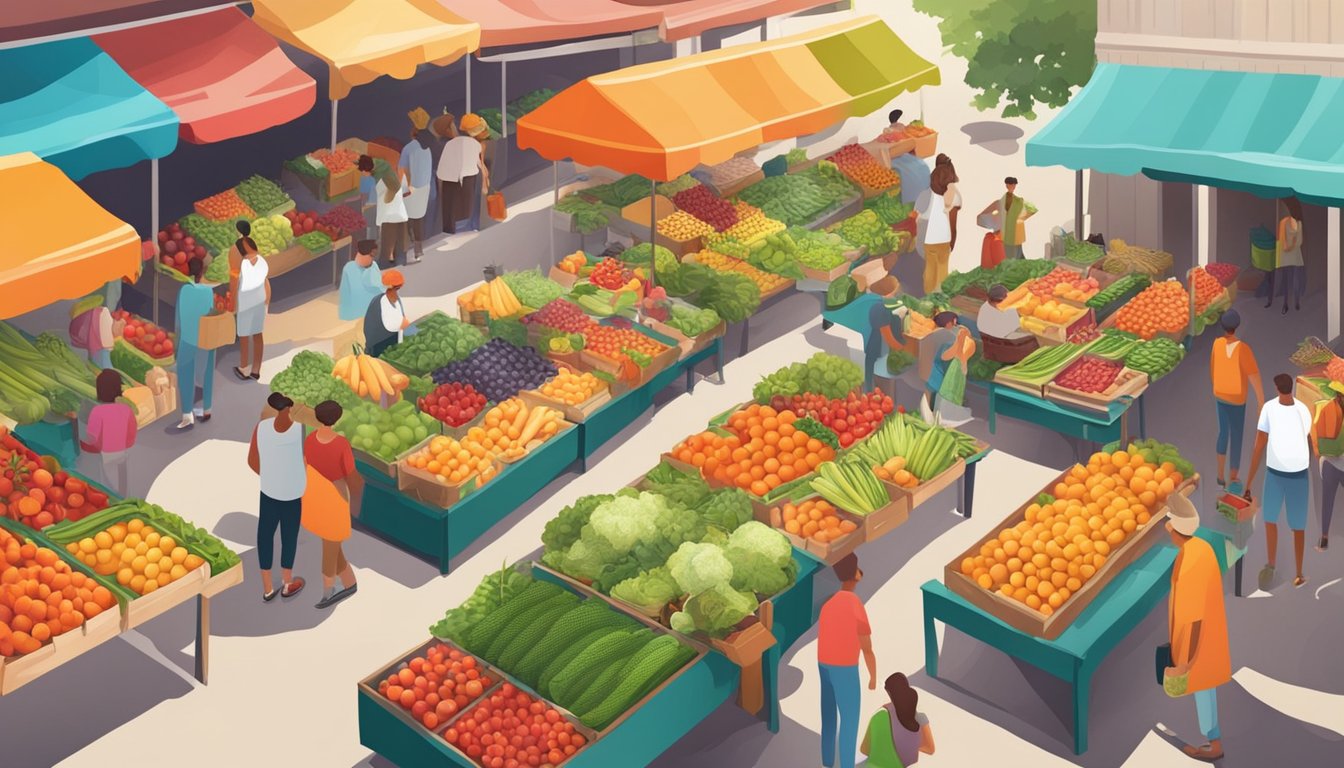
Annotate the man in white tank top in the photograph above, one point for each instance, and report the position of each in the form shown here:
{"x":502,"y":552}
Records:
{"x":276,"y":455}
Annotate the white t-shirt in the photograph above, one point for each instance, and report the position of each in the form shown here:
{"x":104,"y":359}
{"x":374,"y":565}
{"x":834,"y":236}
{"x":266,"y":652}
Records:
{"x":283,"y":476}
{"x":393,"y":314}
{"x":998,"y":322}
{"x":939,"y":229}
{"x":252,"y":283}
{"x":393,"y":212}
{"x":1288,"y":427}
{"x":461,"y":158}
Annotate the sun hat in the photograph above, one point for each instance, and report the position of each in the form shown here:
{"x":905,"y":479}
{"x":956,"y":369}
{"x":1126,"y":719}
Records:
{"x":473,"y":125}
{"x":419,"y":118}
{"x":393,"y":278}
{"x":1184,"y":516}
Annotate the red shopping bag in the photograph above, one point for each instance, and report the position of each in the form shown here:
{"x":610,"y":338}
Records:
{"x":991,"y":251}
{"x":495,"y":206}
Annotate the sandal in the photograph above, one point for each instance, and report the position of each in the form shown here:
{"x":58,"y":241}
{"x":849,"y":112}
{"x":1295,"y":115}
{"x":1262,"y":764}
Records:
{"x":237,"y":371}
{"x":1204,"y":753}
{"x":1323,"y":545}
{"x":1299,"y":581}
{"x":337,"y":597}
{"x":256,"y":377}
{"x":1266,"y":577}
{"x":293,"y":588}
{"x":267,"y":597}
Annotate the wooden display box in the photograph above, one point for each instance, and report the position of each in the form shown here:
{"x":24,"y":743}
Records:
{"x":1030,"y":621}
{"x":926,"y":490}
{"x":1031,"y":389}
{"x":1176,"y":336}
{"x":1058,"y":333}
{"x":659,"y":363}
{"x":566,"y":279}
{"x":146,"y":607}
{"x":576,"y":414}
{"x":477,"y":317}
{"x":728,"y":188}
{"x":884,"y":151}
{"x":457,"y":433}
{"x":746,"y":646}
{"x":687,"y":344}
{"x":829,"y":552}
{"x":223,"y":580}
{"x":679,"y":248}
{"x":288,"y":260}
{"x":926,"y":146}
{"x":427,"y":488}
{"x":17,"y":671}
{"x":882,"y":521}
{"x":1129,"y":383}
{"x":826,"y":276}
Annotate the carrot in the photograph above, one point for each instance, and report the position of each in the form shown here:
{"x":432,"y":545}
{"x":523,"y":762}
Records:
{"x":521,"y":417}
{"x":533,"y":425}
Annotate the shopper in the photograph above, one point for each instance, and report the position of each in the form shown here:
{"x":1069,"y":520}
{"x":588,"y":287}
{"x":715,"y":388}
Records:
{"x":385,"y":320}
{"x":938,"y":209}
{"x":842,"y":633}
{"x":1012,"y":212}
{"x":389,"y":210}
{"x":953,"y":347}
{"x":1233,"y":369}
{"x":91,"y":329}
{"x":328,"y":499}
{"x":417,"y":168}
{"x":361,"y":282}
{"x":195,"y":300}
{"x":462,"y":174}
{"x":276,"y":455}
{"x":111,"y":429}
{"x":1282,"y":437}
{"x":252,"y":287}
{"x":1197,"y":625}
{"x":1328,"y":439}
{"x":1290,"y":269}
{"x":898,"y":733}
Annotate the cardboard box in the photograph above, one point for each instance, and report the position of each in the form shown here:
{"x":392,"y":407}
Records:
{"x":217,"y":331}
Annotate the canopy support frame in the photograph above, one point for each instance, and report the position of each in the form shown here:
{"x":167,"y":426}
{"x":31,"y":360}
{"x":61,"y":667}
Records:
{"x":1195,"y":243}
{"x":154,"y":230}
{"x":1078,"y":227}
{"x":653,"y":234}
{"x":504,"y":99}
{"x":555,"y":200}
{"x":468,"y":58}
{"x":1332,"y":273}
{"x":335,"y":104}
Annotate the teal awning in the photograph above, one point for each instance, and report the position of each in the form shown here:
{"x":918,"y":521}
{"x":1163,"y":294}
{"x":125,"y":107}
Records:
{"x":70,"y":104}
{"x":1272,"y":135}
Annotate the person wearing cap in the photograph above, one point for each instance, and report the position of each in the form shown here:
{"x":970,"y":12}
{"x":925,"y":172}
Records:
{"x":1234,"y":371}
{"x":361,"y":282}
{"x":276,"y":456}
{"x":462,"y":173}
{"x":1197,"y":624}
{"x":995,"y":321}
{"x":1327,"y":438}
{"x":416,"y":164}
{"x":1283,"y":438}
{"x":385,"y":320}
{"x":389,"y":209}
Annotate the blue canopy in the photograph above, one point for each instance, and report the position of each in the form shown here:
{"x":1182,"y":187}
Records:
{"x":1272,"y":135}
{"x":69,"y":103}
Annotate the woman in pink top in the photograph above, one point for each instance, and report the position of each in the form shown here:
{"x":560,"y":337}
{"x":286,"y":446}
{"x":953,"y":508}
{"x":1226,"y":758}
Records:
{"x":111,"y":430}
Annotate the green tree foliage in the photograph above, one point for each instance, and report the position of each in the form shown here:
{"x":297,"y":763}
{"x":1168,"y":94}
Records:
{"x":1019,"y":52}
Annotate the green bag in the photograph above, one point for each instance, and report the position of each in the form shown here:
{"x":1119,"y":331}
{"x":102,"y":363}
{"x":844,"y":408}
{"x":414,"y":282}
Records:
{"x":881,"y":750}
{"x":841,"y":291}
{"x":953,"y":388}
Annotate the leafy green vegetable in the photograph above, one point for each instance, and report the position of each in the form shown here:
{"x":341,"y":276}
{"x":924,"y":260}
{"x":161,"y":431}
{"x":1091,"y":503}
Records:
{"x":734,"y":296}
{"x":716,"y":611}
{"x":493,"y":591}
{"x":822,"y":374}
{"x":564,"y":529}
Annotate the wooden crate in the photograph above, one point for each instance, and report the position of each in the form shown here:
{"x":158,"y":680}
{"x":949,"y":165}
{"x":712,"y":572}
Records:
{"x":573,"y":413}
{"x":223,"y":580}
{"x":1176,"y":336}
{"x":679,"y":248}
{"x":728,"y":188}
{"x":926,"y":146}
{"x":689,"y":345}
{"x":146,"y":607}
{"x":428,"y":489}
{"x":1032,"y":622}
{"x":1030,"y":389}
{"x":565,"y":279}
{"x":829,"y":552}
{"x":882,"y":521}
{"x":928,"y":489}
{"x":827,"y":276}
{"x":660,"y":362}
{"x":288,"y":260}
{"x":636,"y":216}
{"x":1129,"y":383}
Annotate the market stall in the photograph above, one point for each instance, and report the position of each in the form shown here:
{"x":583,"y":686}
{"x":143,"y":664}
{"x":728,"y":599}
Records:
{"x":126,"y":561}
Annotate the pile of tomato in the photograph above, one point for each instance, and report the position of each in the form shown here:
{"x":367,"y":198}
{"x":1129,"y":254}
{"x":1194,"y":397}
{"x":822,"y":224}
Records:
{"x":34,"y":495}
{"x":851,"y":418}
{"x":511,"y":729}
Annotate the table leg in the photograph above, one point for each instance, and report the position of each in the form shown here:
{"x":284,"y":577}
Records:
{"x":930,"y":641}
{"x":992,"y":402}
{"x":1124,"y":429}
{"x":203,"y":639}
{"x":718,"y":357}
{"x":770,"y":682}
{"x":1082,"y":692}
{"x":746,"y":332}
{"x":968,"y":485}
{"x":826,"y":324}
{"x":690,"y":379}
{"x":1143,"y":426}
{"x":1236,"y":569}
{"x":444,"y":557}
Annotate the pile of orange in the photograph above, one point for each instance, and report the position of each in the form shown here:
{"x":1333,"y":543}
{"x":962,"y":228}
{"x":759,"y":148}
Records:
{"x":763,"y":452}
{"x":859,"y":164}
{"x":224,"y":206}
{"x":42,"y":597}
{"x":765,"y":281}
{"x":1161,"y":307}
{"x":504,"y":432}
{"x":815,"y":519}
{"x":1057,"y":547}
{"x":1207,"y":289}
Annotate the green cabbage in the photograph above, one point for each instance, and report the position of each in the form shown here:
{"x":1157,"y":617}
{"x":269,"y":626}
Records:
{"x":700,"y":567}
{"x":649,"y":591}
{"x":715,"y":612}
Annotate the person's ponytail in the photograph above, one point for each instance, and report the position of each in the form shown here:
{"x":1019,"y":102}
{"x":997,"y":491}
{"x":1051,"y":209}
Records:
{"x":244,"y":232}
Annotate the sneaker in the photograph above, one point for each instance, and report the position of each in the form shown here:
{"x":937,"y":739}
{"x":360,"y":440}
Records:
{"x":293,"y":588}
{"x":186,"y":421}
{"x":267,"y":597}
{"x":337,"y":596}
{"x":1266,"y":577}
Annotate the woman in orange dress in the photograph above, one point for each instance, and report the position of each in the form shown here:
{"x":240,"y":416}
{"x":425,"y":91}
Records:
{"x":1197,"y":626}
{"x":332,"y":483}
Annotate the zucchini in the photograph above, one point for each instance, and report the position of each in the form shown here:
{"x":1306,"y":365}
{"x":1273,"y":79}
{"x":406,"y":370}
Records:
{"x":564,"y":632}
{"x":655,"y":662}
{"x":485,"y":632}
{"x":567,"y":655}
{"x":538,"y":623}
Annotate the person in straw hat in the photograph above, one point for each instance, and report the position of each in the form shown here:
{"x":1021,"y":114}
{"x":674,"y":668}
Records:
{"x":1197,"y":626}
{"x":462,"y":172}
{"x":417,"y":166}
{"x":385,"y":322}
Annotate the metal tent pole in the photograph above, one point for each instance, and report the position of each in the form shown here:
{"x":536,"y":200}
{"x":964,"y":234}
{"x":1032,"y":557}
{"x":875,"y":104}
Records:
{"x":653,"y":244}
{"x":154,"y":230}
{"x":555,"y":198}
{"x":468,"y":57}
{"x":1332,"y":273}
{"x":1194,"y":238}
{"x":335,"y":106}
{"x":503,"y":99}
{"x":1078,"y":204}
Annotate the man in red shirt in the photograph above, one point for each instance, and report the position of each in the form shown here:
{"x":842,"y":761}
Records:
{"x":842,"y":632}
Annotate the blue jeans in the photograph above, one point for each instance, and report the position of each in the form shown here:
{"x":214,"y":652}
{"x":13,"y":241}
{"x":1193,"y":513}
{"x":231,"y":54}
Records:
{"x":1231,"y":425}
{"x":1287,"y":490}
{"x":188,"y":355}
{"x":1206,"y":706}
{"x":101,"y":358}
{"x":839,"y":692}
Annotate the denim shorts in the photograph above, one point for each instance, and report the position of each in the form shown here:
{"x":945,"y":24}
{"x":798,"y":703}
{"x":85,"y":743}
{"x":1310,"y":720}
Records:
{"x":1287,"y":489}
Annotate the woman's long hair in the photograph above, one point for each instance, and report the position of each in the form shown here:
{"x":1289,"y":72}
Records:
{"x":1294,"y":207}
{"x":244,"y":239}
{"x":904,"y":700}
{"x":943,"y":174}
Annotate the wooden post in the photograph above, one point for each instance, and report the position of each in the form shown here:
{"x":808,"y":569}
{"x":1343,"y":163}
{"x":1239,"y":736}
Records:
{"x":203,"y":639}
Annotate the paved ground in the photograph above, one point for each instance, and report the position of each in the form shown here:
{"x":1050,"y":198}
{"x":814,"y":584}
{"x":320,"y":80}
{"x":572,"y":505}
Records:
{"x":282,"y":674}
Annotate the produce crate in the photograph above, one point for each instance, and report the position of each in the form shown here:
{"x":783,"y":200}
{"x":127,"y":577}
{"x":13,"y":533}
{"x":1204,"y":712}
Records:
{"x":1176,"y":336}
{"x":827,"y":276}
{"x":1238,"y":532}
{"x":477,"y":317}
{"x":149,"y":362}
{"x":728,"y":188}
{"x":885,"y":519}
{"x":428,"y":489}
{"x":679,"y":248}
{"x":223,"y":580}
{"x":576,"y":414}
{"x":635,"y":216}
{"x":457,"y":433}
{"x":1308,"y":392}
{"x":884,"y":151}
{"x":1032,"y":622}
{"x":662,"y":361}
{"x":843,"y":209}
{"x":1058,"y":333}
{"x":828,"y":552}
{"x":1128,"y":383}
{"x":288,"y":260}
{"x":929,"y":488}
{"x":566,"y":279}
{"x":1031,"y":389}
{"x":689,"y":345}
{"x":926,"y":146}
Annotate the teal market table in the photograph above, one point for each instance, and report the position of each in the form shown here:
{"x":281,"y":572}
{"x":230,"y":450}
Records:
{"x":606,"y":422}
{"x":650,"y":730}
{"x":51,"y":439}
{"x":1075,"y":655}
{"x":1095,"y":426}
{"x":440,"y":534}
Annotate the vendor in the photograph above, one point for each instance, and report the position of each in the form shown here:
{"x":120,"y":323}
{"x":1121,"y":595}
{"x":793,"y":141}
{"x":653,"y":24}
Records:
{"x":361,"y":282}
{"x":952,"y":343}
{"x":894,"y":124}
{"x":385,"y":320}
{"x":998,"y":322}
